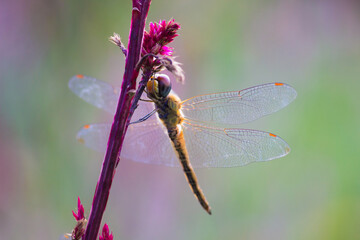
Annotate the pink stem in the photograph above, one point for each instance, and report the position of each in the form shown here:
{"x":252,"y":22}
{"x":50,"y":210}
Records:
{"x":118,"y":129}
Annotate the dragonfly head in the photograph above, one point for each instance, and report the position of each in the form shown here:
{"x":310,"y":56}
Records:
{"x":159,"y":86}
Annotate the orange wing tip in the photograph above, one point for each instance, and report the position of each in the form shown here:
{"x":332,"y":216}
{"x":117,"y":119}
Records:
{"x":272,"y":135}
{"x":279,"y":84}
{"x":80,"y":76}
{"x":87,"y":126}
{"x":66,"y":236}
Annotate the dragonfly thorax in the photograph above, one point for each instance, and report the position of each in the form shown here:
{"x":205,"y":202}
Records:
{"x":169,"y":110}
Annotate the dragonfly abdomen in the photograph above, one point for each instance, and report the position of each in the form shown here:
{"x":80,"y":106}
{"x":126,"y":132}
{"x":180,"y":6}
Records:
{"x":177,"y":138}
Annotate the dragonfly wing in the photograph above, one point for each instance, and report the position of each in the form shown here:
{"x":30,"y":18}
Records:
{"x":95,"y":136}
{"x":104,"y":96}
{"x":238,"y":107}
{"x":231,"y":147}
{"x":95,"y":92}
{"x":145,"y":142}
{"x":148,"y":142}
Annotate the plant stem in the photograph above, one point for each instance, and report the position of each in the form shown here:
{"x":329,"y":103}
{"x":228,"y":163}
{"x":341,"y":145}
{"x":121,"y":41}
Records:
{"x":118,"y":129}
{"x":139,"y":91}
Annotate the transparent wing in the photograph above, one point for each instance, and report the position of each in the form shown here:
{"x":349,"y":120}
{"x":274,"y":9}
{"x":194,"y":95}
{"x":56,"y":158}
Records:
{"x":105,"y":96}
{"x":148,"y":142}
{"x":95,"y":136}
{"x":238,"y":107}
{"x":145,"y":142}
{"x":95,"y":92}
{"x":231,"y":147}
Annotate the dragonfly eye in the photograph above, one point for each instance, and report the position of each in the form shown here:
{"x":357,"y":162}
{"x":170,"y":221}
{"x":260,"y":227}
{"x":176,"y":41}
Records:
{"x":164,"y":85}
{"x":152,"y":87}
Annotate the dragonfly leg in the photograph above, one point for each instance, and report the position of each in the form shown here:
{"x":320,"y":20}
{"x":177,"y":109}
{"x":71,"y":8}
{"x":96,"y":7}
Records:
{"x":146,"y":100}
{"x":146,"y":117}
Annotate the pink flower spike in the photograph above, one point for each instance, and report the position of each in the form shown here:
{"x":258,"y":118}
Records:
{"x":105,"y":233}
{"x":159,"y":35}
{"x":165,"y":50}
{"x":80,"y":212}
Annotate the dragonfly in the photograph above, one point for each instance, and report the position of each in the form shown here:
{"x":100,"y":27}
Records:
{"x":199,"y":132}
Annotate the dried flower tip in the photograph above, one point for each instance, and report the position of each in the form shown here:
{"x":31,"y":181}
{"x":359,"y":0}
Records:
{"x":79,"y":230}
{"x":115,"y":39}
{"x":80,"y":212}
{"x":174,"y":67}
{"x":106,"y":235}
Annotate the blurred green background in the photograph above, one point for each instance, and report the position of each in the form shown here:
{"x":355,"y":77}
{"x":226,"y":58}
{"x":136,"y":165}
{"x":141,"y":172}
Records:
{"x":313,"y":193}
